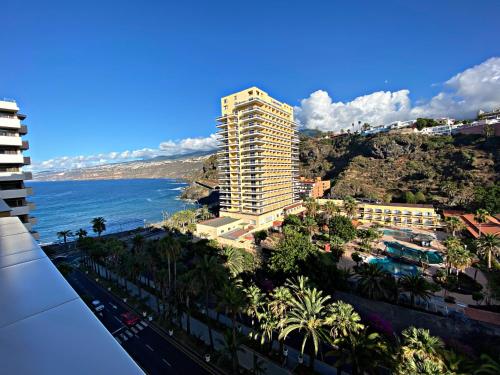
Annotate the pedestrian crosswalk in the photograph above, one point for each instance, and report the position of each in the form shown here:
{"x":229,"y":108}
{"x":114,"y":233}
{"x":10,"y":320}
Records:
{"x":127,"y":334}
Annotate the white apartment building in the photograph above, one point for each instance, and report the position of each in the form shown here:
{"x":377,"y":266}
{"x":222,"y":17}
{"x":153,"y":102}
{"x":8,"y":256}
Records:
{"x":13,"y":192}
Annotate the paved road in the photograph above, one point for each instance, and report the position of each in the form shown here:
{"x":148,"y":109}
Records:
{"x":147,"y":346}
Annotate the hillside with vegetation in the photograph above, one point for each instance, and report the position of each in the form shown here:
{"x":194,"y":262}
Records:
{"x":459,"y":171}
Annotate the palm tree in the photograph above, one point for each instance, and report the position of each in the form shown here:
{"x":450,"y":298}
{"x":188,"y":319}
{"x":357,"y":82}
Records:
{"x":137,"y":243}
{"x":278,"y":306}
{"x":420,"y":351}
{"x":268,"y":324}
{"x":256,"y":302}
{"x":350,"y":207}
{"x":310,"y":225}
{"x":481,"y":217}
{"x":417,"y":286}
{"x":488,"y":366}
{"x":64,"y":234}
{"x":312,"y":206}
{"x":370,"y":280}
{"x":231,"y":345}
{"x":188,"y":288}
{"x":489,"y":246}
{"x":363,"y":351}
{"x":81,"y":233}
{"x":307,"y":316}
{"x":204,"y":213}
{"x":342,"y":320}
{"x":98,"y":225}
{"x":233,"y":299}
{"x":299,"y":285}
{"x":331,"y":208}
{"x":208,"y":273}
{"x":454,"y":224}
{"x":234,"y":260}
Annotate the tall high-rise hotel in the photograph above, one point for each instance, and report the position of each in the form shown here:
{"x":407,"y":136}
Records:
{"x":257,"y":158}
{"x":13,"y":192}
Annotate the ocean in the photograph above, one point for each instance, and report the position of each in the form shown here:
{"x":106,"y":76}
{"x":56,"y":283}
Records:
{"x":125,"y":204}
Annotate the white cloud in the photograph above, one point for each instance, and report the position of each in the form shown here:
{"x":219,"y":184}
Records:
{"x":167,"y":148}
{"x":462,"y":96}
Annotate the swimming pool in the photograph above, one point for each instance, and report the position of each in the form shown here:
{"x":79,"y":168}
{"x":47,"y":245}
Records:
{"x":394,"y":267}
{"x":404,"y":234}
{"x":397,"y":250}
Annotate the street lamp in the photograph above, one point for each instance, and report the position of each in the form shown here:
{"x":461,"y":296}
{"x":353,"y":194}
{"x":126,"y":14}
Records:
{"x":301,"y":358}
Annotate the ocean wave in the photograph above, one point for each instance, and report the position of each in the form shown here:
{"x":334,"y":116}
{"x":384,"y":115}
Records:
{"x":177,"y":188}
{"x":149,"y":199}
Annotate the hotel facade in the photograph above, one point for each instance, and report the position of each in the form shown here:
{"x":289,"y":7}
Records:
{"x":13,"y":192}
{"x":257,"y":158}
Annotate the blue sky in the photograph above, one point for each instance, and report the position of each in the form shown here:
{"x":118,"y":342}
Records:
{"x":97,"y":77}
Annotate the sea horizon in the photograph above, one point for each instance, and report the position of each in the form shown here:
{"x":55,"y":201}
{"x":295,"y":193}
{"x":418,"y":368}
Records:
{"x":125,"y":203}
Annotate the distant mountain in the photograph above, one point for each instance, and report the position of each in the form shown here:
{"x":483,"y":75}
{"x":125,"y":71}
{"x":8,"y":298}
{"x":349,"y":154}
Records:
{"x":180,"y":166}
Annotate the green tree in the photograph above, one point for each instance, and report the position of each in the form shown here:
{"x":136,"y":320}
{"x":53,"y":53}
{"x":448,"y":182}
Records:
{"x":235,"y":261}
{"x":371,"y":280}
{"x":489,"y":245}
{"x":342,"y":227}
{"x":81,"y":233}
{"x":64,"y":234}
{"x":204,"y":213}
{"x":137,"y":243}
{"x":487,"y":366}
{"x":417,"y":286}
{"x":363,"y":351}
{"x":208,"y":272}
{"x":256,"y":302}
{"x":307,"y":316}
{"x":231,"y":345}
{"x":481,"y":217}
{"x":420,"y":353}
{"x":454,"y":224}
{"x":259,"y":236}
{"x":98,"y":225}
{"x":232,"y":297}
{"x":292,"y":221}
{"x":330,"y":208}
{"x":342,"y":320}
{"x":310,"y":226}
{"x":350,"y":207}
{"x":312,"y":206}
{"x":293,"y":249}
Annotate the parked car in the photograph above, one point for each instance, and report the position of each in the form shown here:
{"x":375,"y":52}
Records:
{"x":98,"y":306}
{"x":129,"y":318}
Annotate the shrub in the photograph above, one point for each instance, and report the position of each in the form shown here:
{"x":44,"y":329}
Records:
{"x":410,"y":197}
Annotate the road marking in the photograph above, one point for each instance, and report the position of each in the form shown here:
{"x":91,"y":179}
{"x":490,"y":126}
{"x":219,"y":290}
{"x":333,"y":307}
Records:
{"x":119,"y":341}
{"x":117,"y":318}
{"x":119,"y":329}
{"x":113,"y":306}
{"x":123,"y":336}
{"x":139,"y":327}
{"x":134,"y":330}
{"x":150,"y":348}
{"x":129,"y":333}
{"x":164,"y":360}
{"x":143,"y":323}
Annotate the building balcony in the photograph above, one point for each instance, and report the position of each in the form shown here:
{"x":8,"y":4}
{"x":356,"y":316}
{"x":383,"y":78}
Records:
{"x":23,"y":130}
{"x":26,"y":160}
{"x":20,"y":210}
{"x":14,"y":193}
{"x":25,"y":145}
{"x":11,"y":159}
{"x":9,"y":122}
{"x":6,"y":140}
